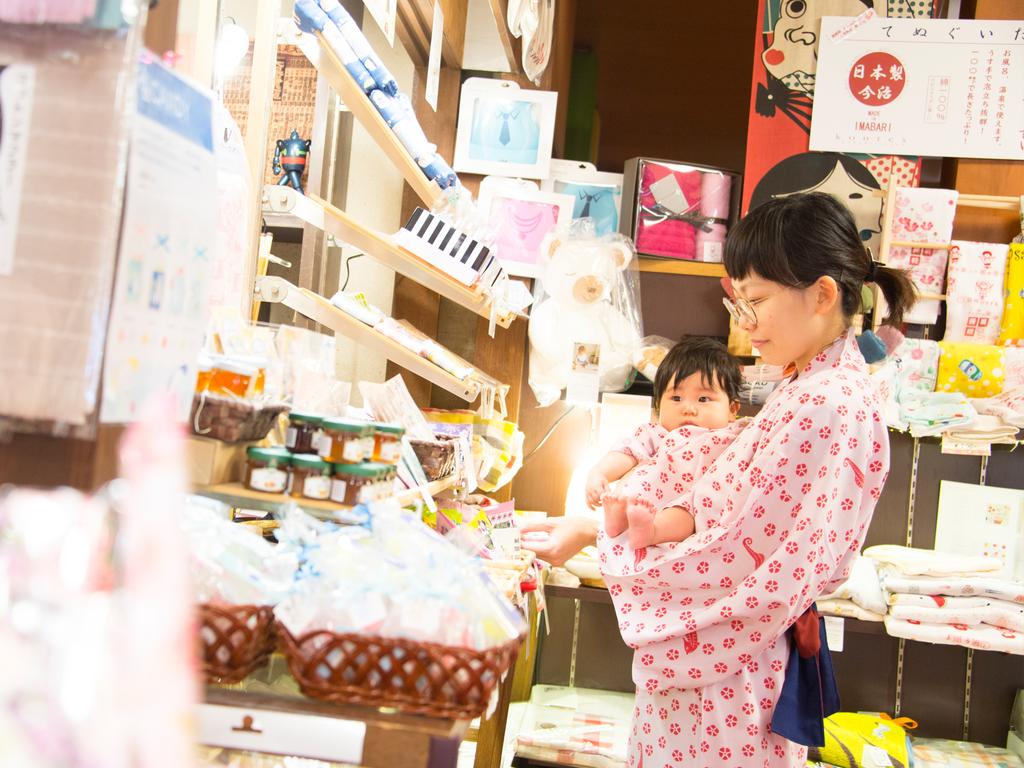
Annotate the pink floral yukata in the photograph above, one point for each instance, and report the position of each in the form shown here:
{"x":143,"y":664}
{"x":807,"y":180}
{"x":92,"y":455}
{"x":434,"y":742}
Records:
{"x":779,"y":518}
{"x":668,"y":462}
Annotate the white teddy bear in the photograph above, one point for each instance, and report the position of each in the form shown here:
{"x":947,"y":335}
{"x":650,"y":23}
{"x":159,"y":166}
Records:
{"x":586,"y":301}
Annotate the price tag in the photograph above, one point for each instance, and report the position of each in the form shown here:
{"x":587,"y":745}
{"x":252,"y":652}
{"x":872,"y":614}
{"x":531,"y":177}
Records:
{"x":834,"y":629}
{"x":585,"y":376}
{"x":875,"y":757}
{"x":965,"y":447}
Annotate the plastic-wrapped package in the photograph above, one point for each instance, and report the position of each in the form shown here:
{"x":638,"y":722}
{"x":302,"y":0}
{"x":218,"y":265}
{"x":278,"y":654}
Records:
{"x":396,"y":579}
{"x":354,"y":36}
{"x":650,"y":353}
{"x":229,"y":564}
{"x":588,"y":296}
{"x":58,"y":229}
{"x":312,"y":19}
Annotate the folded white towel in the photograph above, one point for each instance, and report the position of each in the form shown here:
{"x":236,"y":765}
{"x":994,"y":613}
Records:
{"x":862,"y":587}
{"x":981,"y":637}
{"x":847,"y":609}
{"x":958,"y":610}
{"x":955,"y":586}
{"x":928,"y":562}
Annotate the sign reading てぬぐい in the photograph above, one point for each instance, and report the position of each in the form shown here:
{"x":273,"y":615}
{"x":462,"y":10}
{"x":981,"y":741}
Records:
{"x":937,"y":87}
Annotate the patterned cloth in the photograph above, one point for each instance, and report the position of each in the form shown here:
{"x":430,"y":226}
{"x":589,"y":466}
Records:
{"x":940,"y":609}
{"x":981,"y":637}
{"x":669,"y":462}
{"x":940,"y":753}
{"x":1012,"y":331}
{"x":954,"y":586}
{"x":918,"y":364}
{"x":923,"y":216}
{"x":974,"y":304}
{"x":975,"y":370}
{"x":780,"y":517}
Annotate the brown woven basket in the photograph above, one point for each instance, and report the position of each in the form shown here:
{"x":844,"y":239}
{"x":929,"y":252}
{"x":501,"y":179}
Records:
{"x":436,"y":456}
{"x":417,"y":678}
{"x":235,"y":640}
{"x":232,"y":420}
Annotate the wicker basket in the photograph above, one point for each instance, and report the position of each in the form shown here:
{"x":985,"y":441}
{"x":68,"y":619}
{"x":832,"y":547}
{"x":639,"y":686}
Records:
{"x":235,"y":640}
{"x":417,"y":678}
{"x":233,"y":420}
{"x":437,"y":457}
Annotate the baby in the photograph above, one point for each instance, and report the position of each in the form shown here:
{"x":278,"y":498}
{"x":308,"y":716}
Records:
{"x":696,"y":390}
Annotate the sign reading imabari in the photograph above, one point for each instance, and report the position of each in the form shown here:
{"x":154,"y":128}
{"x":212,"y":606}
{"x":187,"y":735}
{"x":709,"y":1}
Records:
{"x":938,"y":87}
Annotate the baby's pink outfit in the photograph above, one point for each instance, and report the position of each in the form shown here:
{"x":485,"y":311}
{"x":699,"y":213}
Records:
{"x":669,"y":461}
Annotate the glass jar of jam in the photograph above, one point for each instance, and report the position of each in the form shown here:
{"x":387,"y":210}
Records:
{"x":353,"y":483}
{"x":311,"y":477}
{"x":303,"y":433}
{"x":343,"y":441}
{"x":387,"y":443}
{"x":231,"y":377}
{"x":204,"y":372}
{"x":267,"y":469}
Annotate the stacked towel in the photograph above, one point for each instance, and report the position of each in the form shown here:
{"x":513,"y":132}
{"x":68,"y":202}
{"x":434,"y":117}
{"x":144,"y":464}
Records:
{"x":1012,"y":331}
{"x":860,"y":597}
{"x":940,"y":597}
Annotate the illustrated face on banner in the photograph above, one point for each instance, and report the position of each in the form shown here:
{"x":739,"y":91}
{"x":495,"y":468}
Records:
{"x":840,"y":176}
{"x":793,"y":54}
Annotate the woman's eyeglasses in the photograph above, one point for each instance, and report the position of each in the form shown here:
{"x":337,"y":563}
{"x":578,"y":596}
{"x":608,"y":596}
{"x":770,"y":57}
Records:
{"x":742,"y":310}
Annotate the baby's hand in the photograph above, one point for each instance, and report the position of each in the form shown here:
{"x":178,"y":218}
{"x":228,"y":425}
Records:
{"x":597,"y":486}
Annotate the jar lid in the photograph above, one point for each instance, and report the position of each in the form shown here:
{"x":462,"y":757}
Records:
{"x":366,"y":470}
{"x":379,"y":468}
{"x":390,"y":429}
{"x":310,"y":461}
{"x":234,"y":365}
{"x":344,"y":425}
{"x":277,"y":455}
{"x":305,"y":418}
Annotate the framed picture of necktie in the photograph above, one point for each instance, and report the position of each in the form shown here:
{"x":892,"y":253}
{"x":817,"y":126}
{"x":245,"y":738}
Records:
{"x":596,"y":195}
{"x":504,"y":130}
{"x":519,"y":217}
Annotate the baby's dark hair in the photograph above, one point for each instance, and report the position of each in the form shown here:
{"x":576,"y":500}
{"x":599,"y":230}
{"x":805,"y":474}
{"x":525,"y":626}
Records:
{"x":797,"y":239}
{"x":703,"y":355}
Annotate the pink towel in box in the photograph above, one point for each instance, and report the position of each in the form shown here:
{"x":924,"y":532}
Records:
{"x":657,"y":235}
{"x":923,"y":216}
{"x":974,"y":304}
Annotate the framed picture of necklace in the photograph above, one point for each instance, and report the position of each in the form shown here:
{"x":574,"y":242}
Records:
{"x":504,"y":130}
{"x":596,"y":195}
{"x":520,"y":216}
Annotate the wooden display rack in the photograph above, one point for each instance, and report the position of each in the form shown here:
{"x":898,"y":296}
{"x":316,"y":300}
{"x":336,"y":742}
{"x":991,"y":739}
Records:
{"x":320,"y":310}
{"x":991,"y":202}
{"x":278,"y":201}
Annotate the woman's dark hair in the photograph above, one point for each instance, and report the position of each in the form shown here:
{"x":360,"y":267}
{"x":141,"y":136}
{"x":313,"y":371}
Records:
{"x":703,"y":355}
{"x":797,"y":239}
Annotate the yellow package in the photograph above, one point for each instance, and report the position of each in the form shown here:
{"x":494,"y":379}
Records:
{"x":852,"y":739}
{"x":975,"y":370}
{"x":1011,"y":334}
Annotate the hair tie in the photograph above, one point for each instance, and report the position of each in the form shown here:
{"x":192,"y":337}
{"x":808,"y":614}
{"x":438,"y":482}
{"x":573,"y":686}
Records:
{"x":872,"y":274}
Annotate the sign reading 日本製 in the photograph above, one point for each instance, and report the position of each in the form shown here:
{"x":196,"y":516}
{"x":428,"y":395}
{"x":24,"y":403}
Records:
{"x":938,"y":87}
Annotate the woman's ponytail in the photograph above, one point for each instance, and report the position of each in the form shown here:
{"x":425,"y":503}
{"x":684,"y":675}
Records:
{"x":898,"y":291}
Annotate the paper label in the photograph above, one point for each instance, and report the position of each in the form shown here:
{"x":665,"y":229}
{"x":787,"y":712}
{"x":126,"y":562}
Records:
{"x":965,"y":447}
{"x":875,"y":757}
{"x":669,"y":194}
{"x":338,"y":490}
{"x":390,"y":453}
{"x":17,"y":82}
{"x":383,"y":12}
{"x":354,"y":451}
{"x":434,"y":63}
{"x":269,"y":480}
{"x":834,"y":630}
{"x":712,"y":252}
{"x":585,"y":377}
{"x":317,"y":487}
{"x":506,"y":541}
{"x":290,"y":437}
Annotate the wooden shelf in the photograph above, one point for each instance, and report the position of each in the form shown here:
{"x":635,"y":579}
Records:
{"x":237,"y":495}
{"x":281,"y":202}
{"x":368,"y":736}
{"x":327,"y":63}
{"x":681,"y":267}
{"x":320,"y":310}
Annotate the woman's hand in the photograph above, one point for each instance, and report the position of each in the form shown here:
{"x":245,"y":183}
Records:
{"x":566,"y":536}
{"x":597,"y":486}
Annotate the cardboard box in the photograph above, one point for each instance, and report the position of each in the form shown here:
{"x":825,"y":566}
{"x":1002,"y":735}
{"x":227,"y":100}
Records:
{"x":212,"y":462}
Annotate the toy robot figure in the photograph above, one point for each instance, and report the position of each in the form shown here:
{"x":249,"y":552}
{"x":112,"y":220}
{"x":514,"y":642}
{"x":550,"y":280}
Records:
{"x":290,"y":160}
